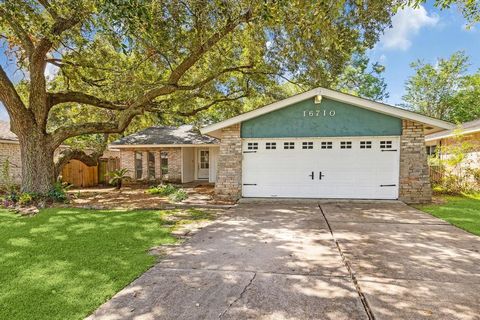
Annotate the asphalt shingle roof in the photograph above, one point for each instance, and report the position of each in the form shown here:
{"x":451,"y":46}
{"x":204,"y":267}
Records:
{"x":185,"y":134}
{"x":5,"y":133}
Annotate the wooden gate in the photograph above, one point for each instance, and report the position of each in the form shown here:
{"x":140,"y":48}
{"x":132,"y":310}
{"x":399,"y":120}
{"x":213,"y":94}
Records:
{"x":79,"y":174}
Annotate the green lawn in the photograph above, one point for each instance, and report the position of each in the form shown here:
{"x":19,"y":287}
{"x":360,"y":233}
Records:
{"x":64,"y":263}
{"x":461,"y":211}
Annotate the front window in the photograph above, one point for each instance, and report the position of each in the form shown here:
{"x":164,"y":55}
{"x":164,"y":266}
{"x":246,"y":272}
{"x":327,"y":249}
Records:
{"x":431,"y":150}
{"x":151,"y":166}
{"x":138,"y":165}
{"x":164,"y":162}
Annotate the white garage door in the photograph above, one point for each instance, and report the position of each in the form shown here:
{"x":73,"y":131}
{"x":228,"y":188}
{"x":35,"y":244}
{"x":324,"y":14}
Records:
{"x":354,"y":167}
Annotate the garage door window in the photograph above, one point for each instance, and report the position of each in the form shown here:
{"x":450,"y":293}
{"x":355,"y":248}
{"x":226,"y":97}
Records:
{"x":346,"y":145}
{"x":365,"y":144}
{"x":289,"y":145}
{"x":271,"y":145}
{"x":252,"y":146}
{"x":307,"y":145}
{"x":385,"y":144}
{"x":327,"y":145}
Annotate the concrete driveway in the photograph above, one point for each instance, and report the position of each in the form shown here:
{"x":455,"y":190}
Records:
{"x":312,"y":260}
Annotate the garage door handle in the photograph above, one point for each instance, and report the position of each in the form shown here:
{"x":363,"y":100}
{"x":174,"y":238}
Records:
{"x":312,"y":175}
{"x":388,"y":185}
{"x":320,"y":175}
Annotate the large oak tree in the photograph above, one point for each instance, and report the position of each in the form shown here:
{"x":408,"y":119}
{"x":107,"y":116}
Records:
{"x":118,"y":59}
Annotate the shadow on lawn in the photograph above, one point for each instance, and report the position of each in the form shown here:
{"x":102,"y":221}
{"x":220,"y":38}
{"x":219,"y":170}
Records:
{"x":63,"y":263}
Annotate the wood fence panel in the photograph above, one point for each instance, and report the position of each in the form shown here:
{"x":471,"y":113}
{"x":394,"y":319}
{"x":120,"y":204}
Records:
{"x":79,"y":174}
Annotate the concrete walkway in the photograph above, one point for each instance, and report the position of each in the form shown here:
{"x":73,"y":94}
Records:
{"x":312,"y":260}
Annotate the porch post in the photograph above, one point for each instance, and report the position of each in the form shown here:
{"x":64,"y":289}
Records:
{"x":158,"y":168}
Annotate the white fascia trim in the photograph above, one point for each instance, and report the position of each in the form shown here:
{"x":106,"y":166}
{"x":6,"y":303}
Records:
{"x":334,"y":95}
{"x":134,"y":146}
{"x":9,"y":141}
{"x":452,"y":134}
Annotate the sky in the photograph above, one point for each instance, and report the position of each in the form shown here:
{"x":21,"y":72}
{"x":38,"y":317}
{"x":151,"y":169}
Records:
{"x":425,"y":33}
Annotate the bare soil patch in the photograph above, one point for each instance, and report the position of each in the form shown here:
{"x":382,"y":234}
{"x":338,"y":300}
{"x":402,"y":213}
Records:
{"x":136,"y":197}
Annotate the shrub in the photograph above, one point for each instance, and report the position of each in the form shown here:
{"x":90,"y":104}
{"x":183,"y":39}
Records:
{"x":58,"y":193}
{"x":26,"y":198}
{"x":163,"y":189}
{"x":117,"y":177}
{"x":178,"y":195}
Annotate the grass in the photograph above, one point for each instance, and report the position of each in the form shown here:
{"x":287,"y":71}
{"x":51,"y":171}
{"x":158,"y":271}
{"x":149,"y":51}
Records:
{"x":64,"y":263}
{"x":461,"y":211}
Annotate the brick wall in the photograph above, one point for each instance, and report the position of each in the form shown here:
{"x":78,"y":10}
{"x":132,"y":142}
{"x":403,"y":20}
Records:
{"x":11,"y":151}
{"x":229,"y":176}
{"x":414,"y":176}
{"x":127,"y":160}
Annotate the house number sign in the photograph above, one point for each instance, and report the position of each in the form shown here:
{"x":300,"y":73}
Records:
{"x":319,"y":113}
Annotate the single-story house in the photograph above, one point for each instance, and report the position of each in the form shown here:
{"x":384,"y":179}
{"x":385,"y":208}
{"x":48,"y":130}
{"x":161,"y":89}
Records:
{"x":318,"y":144}
{"x":175,"y":154}
{"x":467,"y":132}
{"x":75,"y":172}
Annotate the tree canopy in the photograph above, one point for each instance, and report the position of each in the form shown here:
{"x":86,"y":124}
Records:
{"x":120,"y":59}
{"x":444,"y":90}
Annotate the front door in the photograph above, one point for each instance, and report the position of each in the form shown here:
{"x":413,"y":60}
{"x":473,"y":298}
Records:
{"x":203,"y":163}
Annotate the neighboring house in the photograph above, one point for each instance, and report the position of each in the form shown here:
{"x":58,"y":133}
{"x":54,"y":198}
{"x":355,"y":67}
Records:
{"x":169,"y":154}
{"x":10,"y":150}
{"x":468,"y":132}
{"x":324,"y":144}
{"x":74,"y":172}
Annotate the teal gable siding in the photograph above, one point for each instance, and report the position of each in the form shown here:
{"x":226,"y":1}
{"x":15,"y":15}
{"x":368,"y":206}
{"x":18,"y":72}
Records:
{"x":328,"y":119}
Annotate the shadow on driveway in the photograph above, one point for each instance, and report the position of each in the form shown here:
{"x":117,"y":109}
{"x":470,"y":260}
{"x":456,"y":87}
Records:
{"x":278,"y":260}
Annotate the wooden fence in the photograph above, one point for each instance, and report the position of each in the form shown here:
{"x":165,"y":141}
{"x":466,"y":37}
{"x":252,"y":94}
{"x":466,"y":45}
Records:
{"x":436,"y":174}
{"x":80,"y":175}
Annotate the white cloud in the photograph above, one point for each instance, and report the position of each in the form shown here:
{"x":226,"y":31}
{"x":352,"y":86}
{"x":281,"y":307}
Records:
{"x":405,"y":24}
{"x":51,"y":71}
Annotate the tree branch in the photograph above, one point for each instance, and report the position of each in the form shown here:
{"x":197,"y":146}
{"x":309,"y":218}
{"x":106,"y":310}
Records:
{"x":190,"y":61}
{"x":211,"y":104}
{"x":66,"y":155}
{"x":83,"y":98}
{"x":124,"y":119}
{"x":212,"y":77}
{"x":11,"y":99}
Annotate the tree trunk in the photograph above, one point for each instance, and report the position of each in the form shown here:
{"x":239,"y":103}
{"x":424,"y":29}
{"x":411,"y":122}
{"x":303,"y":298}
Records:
{"x":38,"y":169}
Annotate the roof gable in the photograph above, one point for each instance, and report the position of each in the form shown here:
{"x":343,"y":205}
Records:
{"x":434,"y":124}
{"x":329,"y":119}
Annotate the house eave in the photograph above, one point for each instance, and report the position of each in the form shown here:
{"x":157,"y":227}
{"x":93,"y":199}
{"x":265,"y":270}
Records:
{"x":135,"y":146}
{"x":450,"y":134}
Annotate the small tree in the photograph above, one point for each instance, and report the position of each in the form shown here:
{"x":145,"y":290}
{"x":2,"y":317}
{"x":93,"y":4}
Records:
{"x":458,"y":168}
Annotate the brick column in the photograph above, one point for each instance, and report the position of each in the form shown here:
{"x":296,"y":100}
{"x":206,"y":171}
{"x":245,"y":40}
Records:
{"x":175,"y":164}
{"x":229,"y":175}
{"x":127,"y":160}
{"x":145,"y":165}
{"x":414,"y":176}
{"x":158,"y":169}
